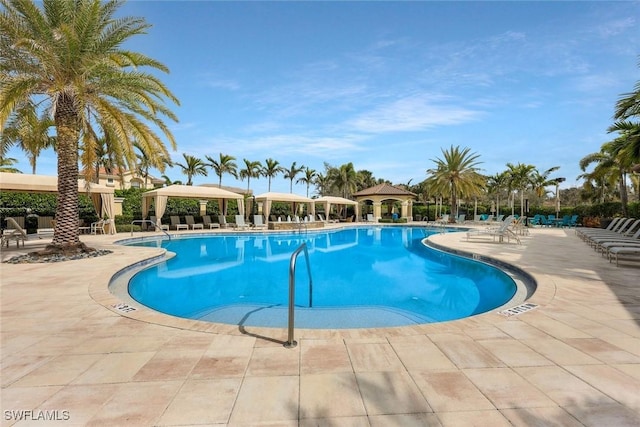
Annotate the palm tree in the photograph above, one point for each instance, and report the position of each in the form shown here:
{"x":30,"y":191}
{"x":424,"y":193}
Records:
{"x":68,"y":54}
{"x":365,"y":179}
{"x":29,"y":132}
{"x":225,"y":164}
{"x":497,"y":184}
{"x":628,"y":107}
{"x":345,"y":179}
{"x":456,"y":175}
{"x":291,"y":173}
{"x":322,"y":183}
{"x":520,"y":178}
{"x":309,"y":175}
{"x":539,"y":181}
{"x":251,"y":170}
{"x":192,"y":166}
{"x":271,"y":169}
{"x":6,"y":165}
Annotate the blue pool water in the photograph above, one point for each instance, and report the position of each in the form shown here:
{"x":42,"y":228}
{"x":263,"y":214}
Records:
{"x":362,"y":277}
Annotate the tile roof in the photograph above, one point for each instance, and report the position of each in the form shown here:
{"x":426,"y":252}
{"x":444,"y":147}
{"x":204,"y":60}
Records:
{"x":384,"y":190}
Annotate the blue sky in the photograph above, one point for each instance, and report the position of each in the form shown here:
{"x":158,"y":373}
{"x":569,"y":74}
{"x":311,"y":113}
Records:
{"x":387,"y":85}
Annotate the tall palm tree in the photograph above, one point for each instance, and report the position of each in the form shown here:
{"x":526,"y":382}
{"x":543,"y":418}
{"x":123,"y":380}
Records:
{"x":69,"y":55}
{"x":252,"y":169}
{"x":291,"y":173}
{"x":224,"y":164}
{"x":365,"y":179}
{"x":322,"y":183}
{"x":520,"y":178}
{"x":345,"y":179}
{"x":191,"y":167}
{"x":628,"y":108}
{"x":497,"y":185}
{"x":271,"y":169}
{"x":30,"y":132}
{"x":456,"y":175}
{"x":539,"y":181}
{"x":307,"y":179}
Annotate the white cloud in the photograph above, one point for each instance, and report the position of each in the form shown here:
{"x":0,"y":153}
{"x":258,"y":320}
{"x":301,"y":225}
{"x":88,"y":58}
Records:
{"x":412,"y":113}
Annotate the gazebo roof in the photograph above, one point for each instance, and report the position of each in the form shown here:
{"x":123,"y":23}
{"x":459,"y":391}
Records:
{"x":384,"y":190}
{"x":335,"y":200}
{"x":193,"y":191}
{"x":283,"y":197}
{"x":44,"y":184}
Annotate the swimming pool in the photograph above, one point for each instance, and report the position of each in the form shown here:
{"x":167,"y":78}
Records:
{"x":362,"y":277}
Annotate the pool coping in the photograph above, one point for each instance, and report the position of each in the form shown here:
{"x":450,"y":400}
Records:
{"x":124,"y":305}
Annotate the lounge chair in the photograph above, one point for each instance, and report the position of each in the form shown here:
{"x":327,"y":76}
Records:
{"x":502,"y":231}
{"x":624,"y":252}
{"x":371,"y":218}
{"x":46,"y":226}
{"x":258,"y":222}
{"x":192,"y":222}
{"x":240,"y":224}
{"x":175,"y":223}
{"x":206,"y":219}
{"x":461,"y":218}
{"x":13,"y":232}
{"x":222,"y":219}
{"x":158,"y":224}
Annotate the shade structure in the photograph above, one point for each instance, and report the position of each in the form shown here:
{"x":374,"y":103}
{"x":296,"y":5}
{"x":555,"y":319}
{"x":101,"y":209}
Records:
{"x":328,"y":201}
{"x":159,"y":197}
{"x":101,"y":196}
{"x":268,"y":198}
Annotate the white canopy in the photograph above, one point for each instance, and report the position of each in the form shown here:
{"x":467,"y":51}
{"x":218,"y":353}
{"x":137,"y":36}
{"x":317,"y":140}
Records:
{"x":160,"y":196}
{"x":327,"y":201}
{"x":268,"y":198}
{"x":101,"y":195}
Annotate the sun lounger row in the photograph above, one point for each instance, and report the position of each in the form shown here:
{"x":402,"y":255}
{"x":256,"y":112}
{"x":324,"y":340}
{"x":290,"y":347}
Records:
{"x":619,"y":241}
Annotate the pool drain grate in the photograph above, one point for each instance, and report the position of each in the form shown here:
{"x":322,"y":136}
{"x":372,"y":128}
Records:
{"x":518,"y":309}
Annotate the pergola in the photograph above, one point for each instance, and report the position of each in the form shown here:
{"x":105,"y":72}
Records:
{"x":381,"y":192}
{"x":268,"y":198}
{"x":101,"y":196}
{"x":160,"y":196}
{"x":327,"y":201}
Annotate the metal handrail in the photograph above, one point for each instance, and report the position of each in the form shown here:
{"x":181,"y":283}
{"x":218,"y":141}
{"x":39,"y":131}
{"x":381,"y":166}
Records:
{"x":155,"y":226}
{"x":291,"y":343}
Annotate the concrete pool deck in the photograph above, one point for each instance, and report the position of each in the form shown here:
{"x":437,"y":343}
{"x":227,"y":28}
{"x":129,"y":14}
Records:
{"x":69,"y":352}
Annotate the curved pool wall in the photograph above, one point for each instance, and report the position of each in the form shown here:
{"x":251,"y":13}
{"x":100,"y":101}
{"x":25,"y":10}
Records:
{"x":366,"y":315}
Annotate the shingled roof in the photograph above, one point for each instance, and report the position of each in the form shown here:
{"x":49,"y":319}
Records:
{"x":384,"y":190}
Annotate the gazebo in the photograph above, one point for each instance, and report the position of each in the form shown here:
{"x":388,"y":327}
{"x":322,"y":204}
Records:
{"x":381,"y":192}
{"x":101,"y":196}
{"x":327,"y":201}
{"x":159,"y":197}
{"x":268,"y":198}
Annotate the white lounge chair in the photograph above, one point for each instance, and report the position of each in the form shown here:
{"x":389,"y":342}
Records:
{"x":623,"y":252}
{"x":500,"y":232}
{"x":13,"y":232}
{"x":240,"y":224}
{"x":258,"y":222}
{"x":371,"y":218}
{"x":191,"y":222}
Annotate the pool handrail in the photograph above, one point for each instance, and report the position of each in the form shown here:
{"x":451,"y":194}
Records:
{"x":291,"y":343}
{"x":155,"y":226}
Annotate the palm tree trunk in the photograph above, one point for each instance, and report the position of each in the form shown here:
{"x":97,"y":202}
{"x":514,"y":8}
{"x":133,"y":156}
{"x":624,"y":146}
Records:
{"x":66,"y":233}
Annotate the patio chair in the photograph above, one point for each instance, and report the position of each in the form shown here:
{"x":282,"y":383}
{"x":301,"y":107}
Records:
{"x":175,"y":223}
{"x":240,"y":222}
{"x":98,"y":227}
{"x":191,"y":222}
{"x":371,"y":218}
{"x":46,"y":225}
{"x":206,"y":219}
{"x":13,"y":232}
{"x":258,"y":222}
